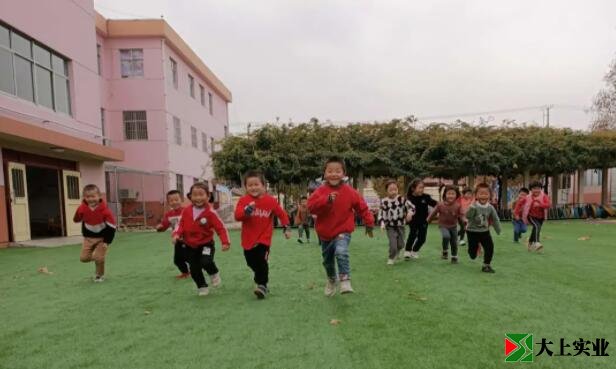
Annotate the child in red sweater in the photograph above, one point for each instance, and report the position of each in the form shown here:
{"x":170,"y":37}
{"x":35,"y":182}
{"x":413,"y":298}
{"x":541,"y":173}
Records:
{"x":449,"y":213}
{"x":172,"y":219}
{"x":256,"y":211}
{"x":98,"y":229}
{"x":335,"y":204}
{"x":534,"y":211}
{"x":519,"y":227}
{"x":198,"y":223}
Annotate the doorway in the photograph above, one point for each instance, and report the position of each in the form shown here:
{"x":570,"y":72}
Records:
{"x":44,"y":202}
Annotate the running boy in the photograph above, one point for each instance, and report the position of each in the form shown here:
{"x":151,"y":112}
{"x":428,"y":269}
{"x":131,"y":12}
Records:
{"x":198,"y":223}
{"x":465,"y":201}
{"x":335,"y":204}
{"x":534,"y":212}
{"x":302,"y":220}
{"x":256,"y":211}
{"x":394,"y":213}
{"x":519,"y":227}
{"x":97,"y":227}
{"x":172,"y":219}
{"x":480,"y":216}
{"x":449,"y":213}
{"x":419,"y":224}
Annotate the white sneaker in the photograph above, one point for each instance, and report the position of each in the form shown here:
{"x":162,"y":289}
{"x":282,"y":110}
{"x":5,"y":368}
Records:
{"x":538,"y":246}
{"x":414,"y":255}
{"x":407,"y":254}
{"x":462,"y":242}
{"x":330,"y":288}
{"x":203,"y":291}
{"x":99,"y":279}
{"x":216,"y":281}
{"x":345,"y":286}
{"x":532,"y":247}
{"x":391,"y":261}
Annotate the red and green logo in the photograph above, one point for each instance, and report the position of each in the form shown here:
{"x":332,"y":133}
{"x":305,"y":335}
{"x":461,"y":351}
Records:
{"x":519,"y":347}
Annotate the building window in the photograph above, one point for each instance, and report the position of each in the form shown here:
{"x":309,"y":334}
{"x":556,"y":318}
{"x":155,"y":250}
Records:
{"x":18,"y":184}
{"x":202,"y":94}
{"x":33,"y":72}
{"x":179,"y":183}
{"x":191,"y":86}
{"x":174,"y":72}
{"x":98,"y":58}
{"x":72,"y":187}
{"x":177,"y":131}
{"x":212,"y":144}
{"x":593,"y":177}
{"x":210,"y":101}
{"x":193,"y":137}
{"x":135,"y":125}
{"x":203,"y":142}
{"x":103,"y":133}
{"x":131,"y":62}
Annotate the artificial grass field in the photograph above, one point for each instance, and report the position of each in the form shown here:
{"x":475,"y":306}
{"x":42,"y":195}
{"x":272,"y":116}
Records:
{"x":425,"y":313}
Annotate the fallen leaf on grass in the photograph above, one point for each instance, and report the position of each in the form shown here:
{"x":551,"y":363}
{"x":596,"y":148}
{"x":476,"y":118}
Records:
{"x":147,"y":312}
{"x":44,"y":270}
{"x":415,"y":296}
{"x":584,"y":238}
{"x":335,"y":322}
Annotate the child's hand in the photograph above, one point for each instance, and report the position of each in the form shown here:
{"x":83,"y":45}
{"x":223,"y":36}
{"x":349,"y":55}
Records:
{"x":176,"y":238}
{"x":332,"y":197}
{"x":159,"y":228}
{"x":409,"y":217}
{"x":382,"y":227}
{"x":226,"y":247}
{"x":287,"y":234}
{"x":249,"y":208}
{"x":369,"y":232}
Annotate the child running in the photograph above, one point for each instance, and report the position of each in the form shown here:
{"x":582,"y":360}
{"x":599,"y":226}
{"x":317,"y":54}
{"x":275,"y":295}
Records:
{"x":449,"y":213}
{"x":465,"y":201}
{"x":519,"y":227}
{"x":172,"y":219}
{"x":335,"y":204}
{"x":196,"y":228}
{"x":97,"y":227}
{"x":534,"y":212}
{"x":302,"y":220}
{"x":480,"y":215}
{"x":395,"y":211}
{"x":256,"y":211}
{"x":419,"y":224}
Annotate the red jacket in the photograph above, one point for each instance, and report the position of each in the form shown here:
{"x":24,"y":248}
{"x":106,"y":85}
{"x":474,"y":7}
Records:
{"x":170,"y":219}
{"x":536,"y":207}
{"x":200,"y":231}
{"x":334,"y":218}
{"x":96,"y":223}
{"x":518,"y":208}
{"x":257,"y":227}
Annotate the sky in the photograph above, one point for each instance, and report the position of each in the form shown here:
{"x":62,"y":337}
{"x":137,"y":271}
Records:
{"x":364,"y":61}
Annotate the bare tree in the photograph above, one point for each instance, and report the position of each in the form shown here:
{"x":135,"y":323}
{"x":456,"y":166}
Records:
{"x":604,"y":104}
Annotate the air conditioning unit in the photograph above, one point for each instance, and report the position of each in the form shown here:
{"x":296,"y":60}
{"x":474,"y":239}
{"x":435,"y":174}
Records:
{"x":128,"y":194}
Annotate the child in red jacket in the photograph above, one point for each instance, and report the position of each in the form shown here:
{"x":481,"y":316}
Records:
{"x":256,"y":211}
{"x":98,"y":229}
{"x":335,"y":204}
{"x":196,"y":229}
{"x":534,"y":212}
{"x":172,"y":219}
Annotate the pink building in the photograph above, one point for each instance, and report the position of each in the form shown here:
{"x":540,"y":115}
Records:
{"x":78,"y":94}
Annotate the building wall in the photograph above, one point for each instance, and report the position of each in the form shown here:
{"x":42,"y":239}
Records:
{"x":4,"y":225}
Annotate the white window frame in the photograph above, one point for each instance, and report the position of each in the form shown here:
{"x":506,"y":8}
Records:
{"x":134,"y":60}
{"x":135,"y":124}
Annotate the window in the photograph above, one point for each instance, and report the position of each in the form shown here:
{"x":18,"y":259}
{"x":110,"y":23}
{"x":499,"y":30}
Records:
{"x":72,"y":187}
{"x":98,"y":58}
{"x":19,"y":187}
{"x":210,"y":101}
{"x":131,"y":62}
{"x":203,"y":142}
{"x":193,"y":137}
{"x":202,"y":94}
{"x":565,"y":181}
{"x":191,"y":86}
{"x":135,"y":125}
{"x":177,"y":131}
{"x":179,"y":182}
{"x":592,"y":177}
{"x":174,"y":72}
{"x":212,"y":144}
{"x":103,"y":127}
{"x":33,"y":72}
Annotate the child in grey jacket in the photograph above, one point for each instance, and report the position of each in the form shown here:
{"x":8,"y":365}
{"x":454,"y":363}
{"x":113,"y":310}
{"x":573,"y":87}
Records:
{"x":481,"y":214}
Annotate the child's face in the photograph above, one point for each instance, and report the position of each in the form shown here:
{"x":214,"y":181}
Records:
{"x":522,"y":195}
{"x":468,"y":195}
{"x":392,"y":190}
{"x":334,"y":173}
{"x":92,"y":198}
{"x":419,"y":189}
{"x":174,"y":201}
{"x":450,"y":196}
{"x":198,"y":196}
{"x":254,"y":186}
{"x":536,"y":191}
{"x":303,"y":202}
{"x":483,"y":195}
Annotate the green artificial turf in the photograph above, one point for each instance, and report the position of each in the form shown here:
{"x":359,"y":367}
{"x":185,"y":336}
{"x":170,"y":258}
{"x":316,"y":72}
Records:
{"x":425,"y":313}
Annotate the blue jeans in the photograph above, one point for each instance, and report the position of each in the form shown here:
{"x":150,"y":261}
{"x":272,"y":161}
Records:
{"x":337,"y":251}
{"x":519,"y":227}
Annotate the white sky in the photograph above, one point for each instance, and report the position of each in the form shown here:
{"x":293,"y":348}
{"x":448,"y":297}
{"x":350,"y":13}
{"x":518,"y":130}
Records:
{"x":364,"y":60}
